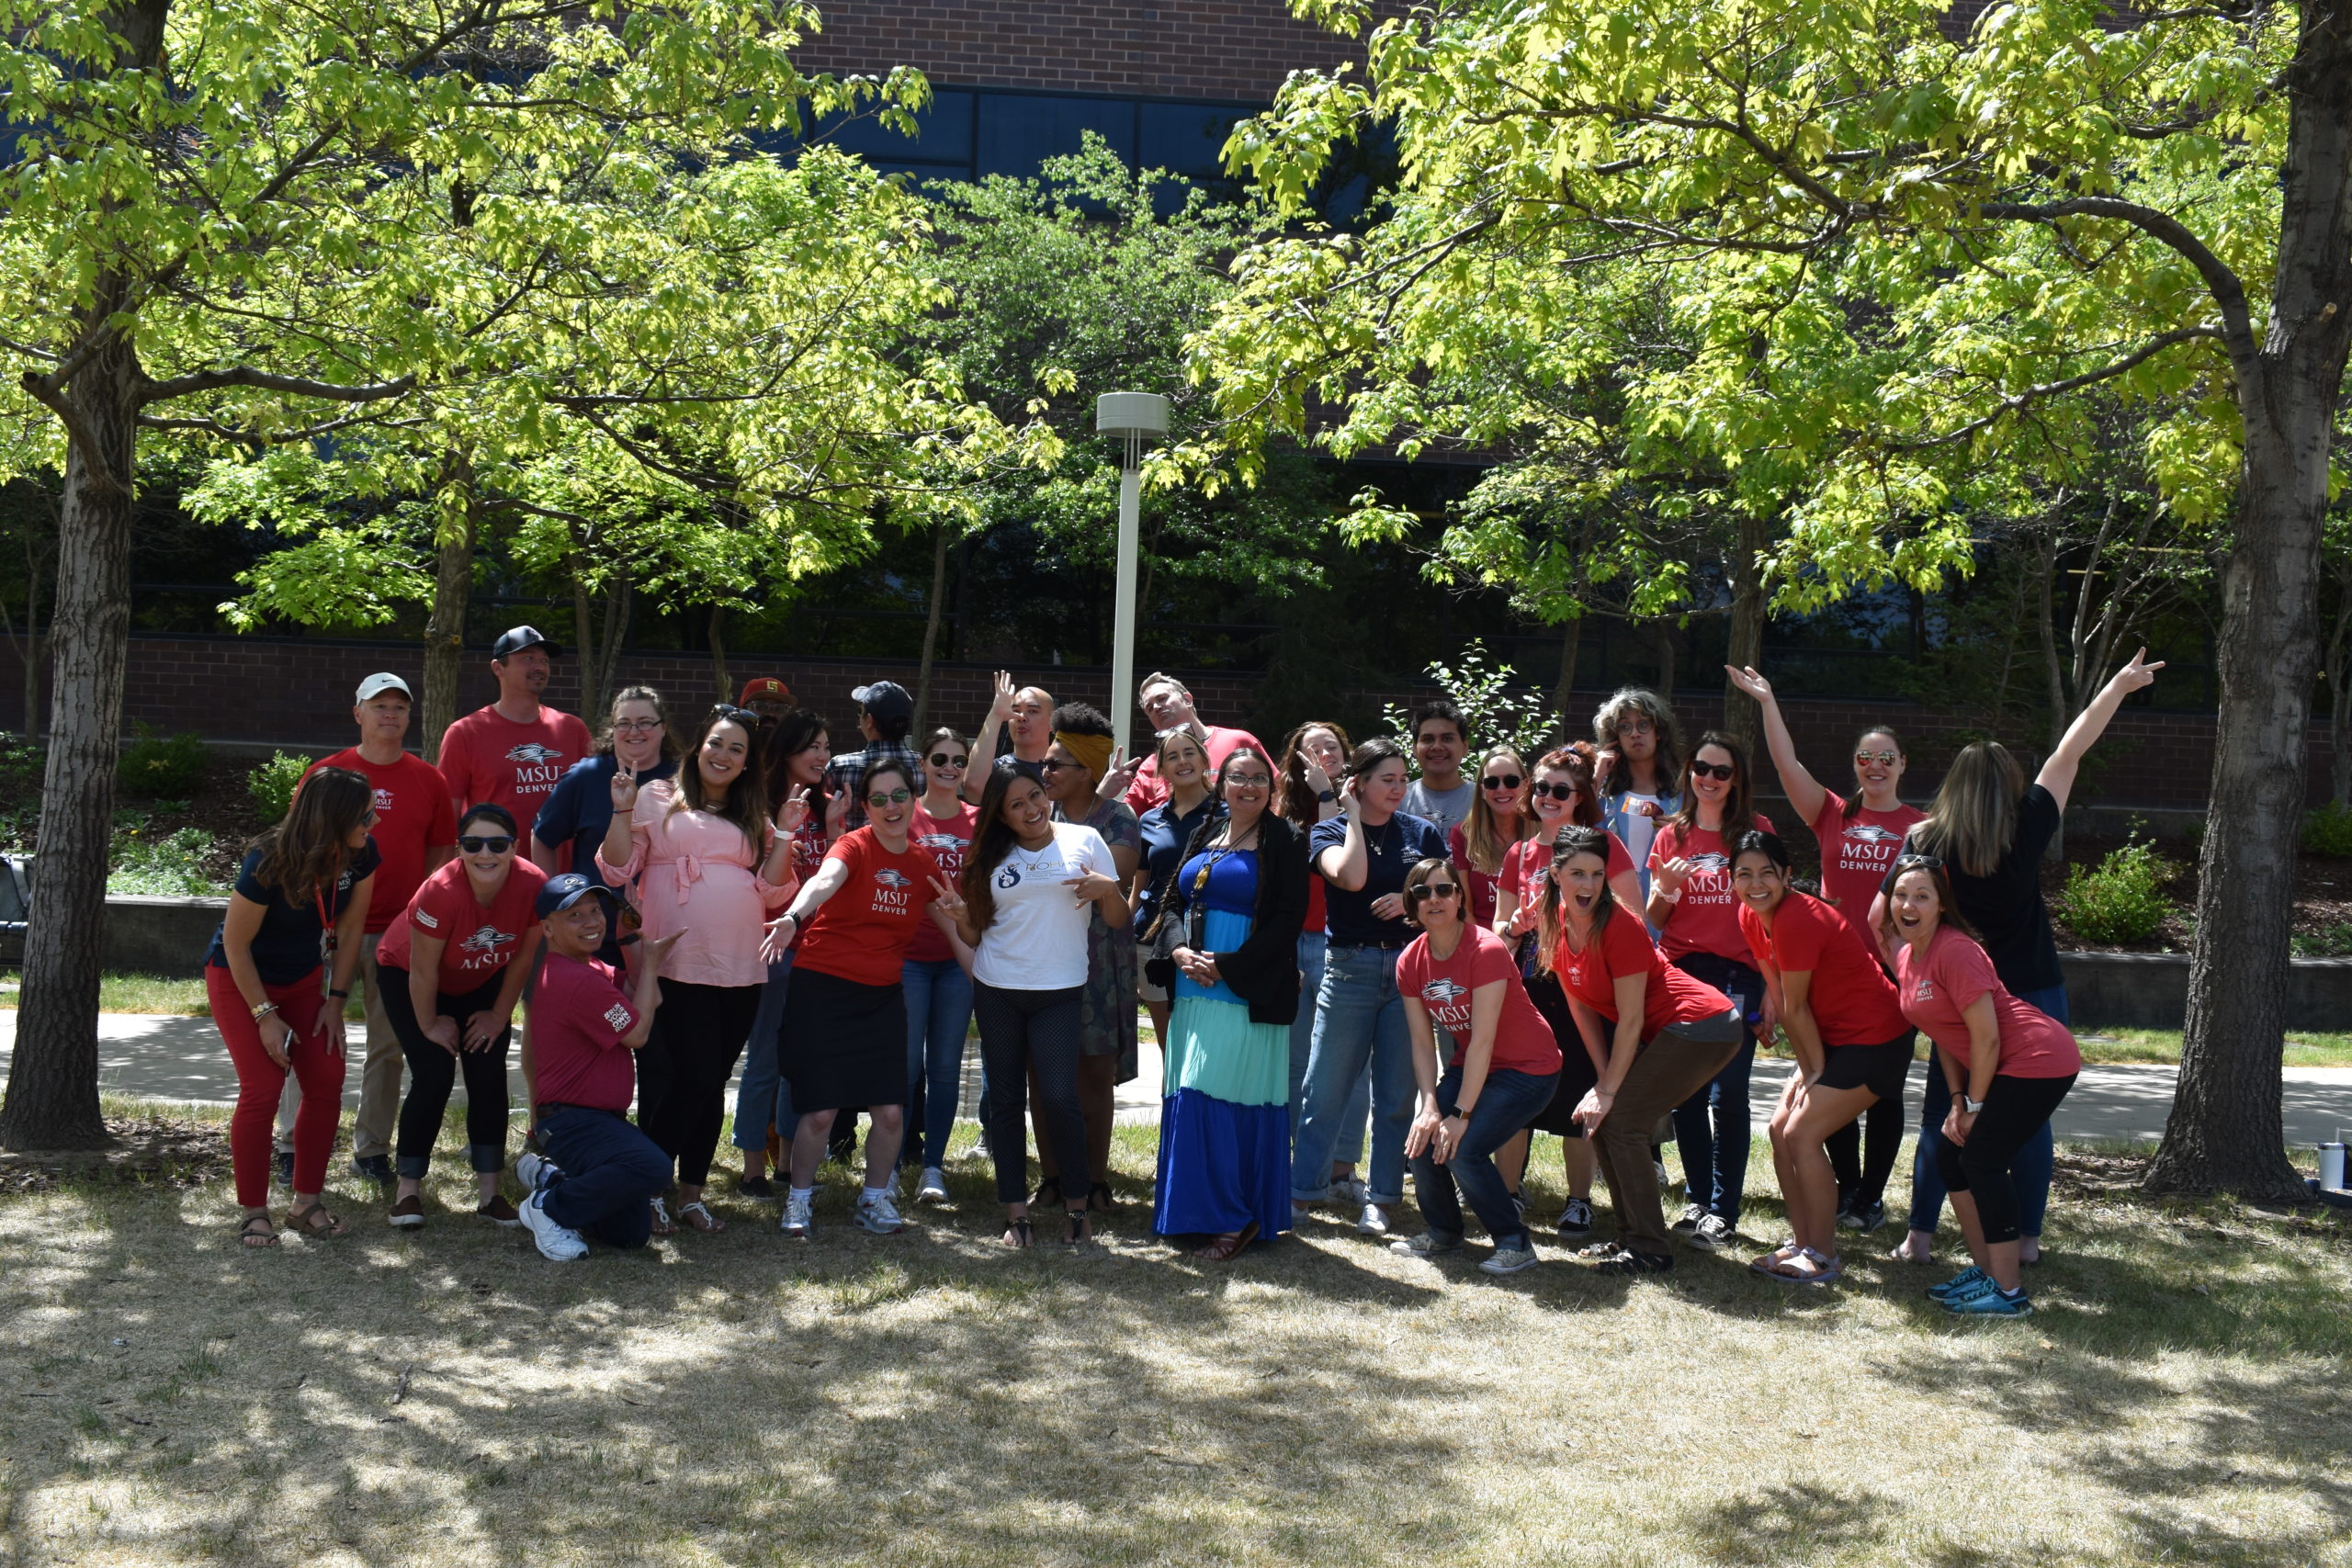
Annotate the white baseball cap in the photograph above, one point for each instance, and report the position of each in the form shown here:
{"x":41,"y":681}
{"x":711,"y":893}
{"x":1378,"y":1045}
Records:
{"x":382,"y":681}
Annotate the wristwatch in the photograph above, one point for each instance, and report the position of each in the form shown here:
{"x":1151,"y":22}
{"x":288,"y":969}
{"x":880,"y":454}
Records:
{"x":1968,"y":1107}
{"x":1327,"y":796}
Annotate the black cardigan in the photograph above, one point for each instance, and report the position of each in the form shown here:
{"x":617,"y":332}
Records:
{"x":1264,"y":971}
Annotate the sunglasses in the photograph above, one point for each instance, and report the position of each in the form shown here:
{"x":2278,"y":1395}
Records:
{"x":895,"y":798}
{"x":1884,"y":759}
{"x":1722,"y":771}
{"x":1925,"y":862}
{"x":942,"y":759}
{"x":1439,"y":889}
{"x":1502,"y":781}
{"x":1051,"y":766}
{"x":729,"y":710}
{"x":497,"y":846}
{"x":1556,"y":791}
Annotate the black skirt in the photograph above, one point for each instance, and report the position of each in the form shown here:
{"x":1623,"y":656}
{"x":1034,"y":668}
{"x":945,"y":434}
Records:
{"x":843,"y":1043}
{"x":1577,"y":1075}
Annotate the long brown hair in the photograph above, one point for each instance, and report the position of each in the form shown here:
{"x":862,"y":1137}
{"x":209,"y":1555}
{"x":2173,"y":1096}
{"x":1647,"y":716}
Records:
{"x":992,"y":840}
{"x":1947,"y":911}
{"x":745,"y":802}
{"x":1739,"y":804}
{"x":1293,"y":800}
{"x":1572,"y":841}
{"x":1854,"y":802}
{"x":1481,"y":835}
{"x":303,"y":856}
{"x":1974,"y":818}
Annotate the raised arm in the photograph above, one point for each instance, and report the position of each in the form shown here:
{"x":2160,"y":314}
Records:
{"x":1805,"y":792}
{"x":2057,"y":774}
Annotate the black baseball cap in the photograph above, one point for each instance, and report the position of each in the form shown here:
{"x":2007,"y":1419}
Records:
{"x":567,"y":888}
{"x":517,"y":638}
{"x":885,"y":699}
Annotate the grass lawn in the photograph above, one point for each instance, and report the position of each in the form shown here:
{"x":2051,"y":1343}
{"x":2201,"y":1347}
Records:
{"x":449,"y":1397}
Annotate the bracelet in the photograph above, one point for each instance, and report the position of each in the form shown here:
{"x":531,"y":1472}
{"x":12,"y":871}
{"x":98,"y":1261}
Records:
{"x":1672,"y":896}
{"x":264,"y":1011}
{"x":344,"y":995}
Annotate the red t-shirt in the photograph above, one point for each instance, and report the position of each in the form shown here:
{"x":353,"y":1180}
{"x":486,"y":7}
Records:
{"x":488,"y":759}
{"x":946,"y":839}
{"x":1707,"y":919}
{"x":1526,"y":863}
{"x":478,"y":941}
{"x":1955,"y":971}
{"x":1856,"y":852}
{"x":1523,"y":1041}
{"x":862,"y":933}
{"x":1625,"y":948}
{"x":579,"y":1015}
{"x":1851,"y":1001}
{"x":413,"y":819}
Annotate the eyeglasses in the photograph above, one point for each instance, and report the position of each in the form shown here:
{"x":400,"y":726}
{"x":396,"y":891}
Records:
{"x":1502,"y":781}
{"x":1722,"y":771}
{"x":1439,"y":889}
{"x":895,"y":798}
{"x":497,"y":846}
{"x":1248,"y":781}
{"x":636,"y":724}
{"x":1635,"y":727}
{"x":1884,"y":759}
{"x":1556,"y":791}
{"x":942,"y":759}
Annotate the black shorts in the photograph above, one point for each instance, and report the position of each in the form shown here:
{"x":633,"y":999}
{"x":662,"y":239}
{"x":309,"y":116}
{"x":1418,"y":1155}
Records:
{"x":1577,"y":1075}
{"x":1882,"y":1069}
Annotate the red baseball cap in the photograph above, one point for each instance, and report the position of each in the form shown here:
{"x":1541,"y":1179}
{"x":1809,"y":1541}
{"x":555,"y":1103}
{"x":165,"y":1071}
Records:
{"x":763,"y":688}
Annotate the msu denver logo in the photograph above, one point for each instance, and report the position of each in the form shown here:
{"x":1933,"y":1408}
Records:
{"x":487,"y":939}
{"x":1443,"y":991}
{"x":940,"y":843}
{"x":1709,"y":864}
{"x":889,"y":878}
{"x":1872,"y":833}
{"x":532,"y":752}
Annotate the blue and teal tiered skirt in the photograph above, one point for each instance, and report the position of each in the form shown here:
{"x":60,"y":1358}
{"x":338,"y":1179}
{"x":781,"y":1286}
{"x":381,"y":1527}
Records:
{"x":1224,"y":1114}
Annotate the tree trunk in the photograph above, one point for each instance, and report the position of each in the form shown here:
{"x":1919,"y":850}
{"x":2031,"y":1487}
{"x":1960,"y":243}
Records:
{"x":453,"y":587}
{"x":718,"y":653}
{"x":2225,"y":1132}
{"x":583,"y":633}
{"x":1743,"y":719}
{"x":1563,"y":685}
{"x":931,"y":630}
{"x":52,"y":1099}
{"x":621,"y":601}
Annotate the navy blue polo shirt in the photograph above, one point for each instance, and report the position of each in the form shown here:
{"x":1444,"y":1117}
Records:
{"x":1392,"y":849}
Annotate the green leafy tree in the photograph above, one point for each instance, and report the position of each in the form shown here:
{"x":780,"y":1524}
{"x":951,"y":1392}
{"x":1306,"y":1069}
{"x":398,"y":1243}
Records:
{"x":1901,"y":254}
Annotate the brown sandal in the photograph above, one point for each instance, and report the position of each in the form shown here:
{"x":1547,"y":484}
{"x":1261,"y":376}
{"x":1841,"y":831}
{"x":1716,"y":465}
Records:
{"x":257,"y":1239}
{"x":1225,"y":1249}
{"x":314,"y":1221}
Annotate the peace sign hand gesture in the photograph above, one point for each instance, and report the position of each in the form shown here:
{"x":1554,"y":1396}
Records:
{"x":949,"y":902}
{"x":2137,"y":674}
{"x":624,"y":788}
{"x":792,"y":812}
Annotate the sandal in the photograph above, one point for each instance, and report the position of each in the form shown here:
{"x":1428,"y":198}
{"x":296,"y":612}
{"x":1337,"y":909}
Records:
{"x":663,"y":1225}
{"x":1048,"y":1194}
{"x":1227,"y":1247}
{"x":1627,"y":1263}
{"x":1101,"y":1199}
{"x":257,"y":1239}
{"x":1020,"y":1235}
{"x":1081,"y":1230}
{"x":1777,"y":1256}
{"x":1598,"y":1249}
{"x":314,"y":1221}
{"x":698,"y":1215}
{"x":1805,"y":1266}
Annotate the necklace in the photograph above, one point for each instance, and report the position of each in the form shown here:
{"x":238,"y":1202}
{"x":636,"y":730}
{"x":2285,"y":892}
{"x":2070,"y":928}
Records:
{"x":1217,"y":853}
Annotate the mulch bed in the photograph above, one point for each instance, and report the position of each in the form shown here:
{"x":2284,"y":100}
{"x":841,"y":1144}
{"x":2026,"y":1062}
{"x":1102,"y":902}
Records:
{"x":165,"y":1150}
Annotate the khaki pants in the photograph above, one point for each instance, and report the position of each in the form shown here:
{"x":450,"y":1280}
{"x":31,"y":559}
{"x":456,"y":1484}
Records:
{"x":1668,"y":1070}
{"x":379,"y":1079}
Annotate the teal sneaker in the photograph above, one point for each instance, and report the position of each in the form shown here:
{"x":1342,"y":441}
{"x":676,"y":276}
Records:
{"x":1990,"y":1302}
{"x":1966,"y":1281}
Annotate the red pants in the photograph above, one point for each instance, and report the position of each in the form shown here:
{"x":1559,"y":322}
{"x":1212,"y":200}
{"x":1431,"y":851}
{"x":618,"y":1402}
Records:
{"x":261,"y":1081}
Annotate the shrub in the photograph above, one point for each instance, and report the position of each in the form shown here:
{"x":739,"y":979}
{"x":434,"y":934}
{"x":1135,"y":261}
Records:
{"x":272,"y":784}
{"x":158,"y":766}
{"x":21,"y":761}
{"x":2328,"y":830}
{"x":172,"y":866}
{"x":2122,"y":900}
{"x":2329,"y":941}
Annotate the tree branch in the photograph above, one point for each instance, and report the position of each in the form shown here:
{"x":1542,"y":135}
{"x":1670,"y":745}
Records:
{"x":2008,"y":405}
{"x":2237,"y":324}
{"x":300,"y":385}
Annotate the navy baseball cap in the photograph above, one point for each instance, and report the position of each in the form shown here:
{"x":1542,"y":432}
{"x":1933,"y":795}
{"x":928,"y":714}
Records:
{"x":564,"y":890}
{"x":514,"y":639}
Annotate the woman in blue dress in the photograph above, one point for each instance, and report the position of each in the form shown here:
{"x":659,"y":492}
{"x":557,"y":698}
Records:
{"x":1227,"y":946}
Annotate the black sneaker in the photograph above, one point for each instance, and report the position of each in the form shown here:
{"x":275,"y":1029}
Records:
{"x":1866,"y":1218}
{"x":757,"y":1187}
{"x":1689,"y":1223}
{"x":286,"y":1168}
{"x":376,"y":1169}
{"x":1576,"y":1220}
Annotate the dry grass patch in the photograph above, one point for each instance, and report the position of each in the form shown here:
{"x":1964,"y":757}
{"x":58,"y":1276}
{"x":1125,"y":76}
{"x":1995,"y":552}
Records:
{"x":451,"y":1398}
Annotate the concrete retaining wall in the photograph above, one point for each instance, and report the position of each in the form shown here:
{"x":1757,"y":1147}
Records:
{"x":2150,"y":990}
{"x":148,"y":936}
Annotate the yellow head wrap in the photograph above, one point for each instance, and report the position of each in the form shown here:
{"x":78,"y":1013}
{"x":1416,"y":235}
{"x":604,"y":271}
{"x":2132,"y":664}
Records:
{"x":1093,"y":751}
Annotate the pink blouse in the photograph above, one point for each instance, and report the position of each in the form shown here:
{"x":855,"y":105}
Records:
{"x":694,"y":869}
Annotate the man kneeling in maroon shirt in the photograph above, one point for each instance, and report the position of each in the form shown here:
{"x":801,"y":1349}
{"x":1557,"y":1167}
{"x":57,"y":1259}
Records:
{"x":599,"y":1173}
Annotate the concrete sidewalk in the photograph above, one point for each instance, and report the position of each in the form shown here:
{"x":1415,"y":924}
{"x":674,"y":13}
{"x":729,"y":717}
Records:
{"x":182,"y":1059}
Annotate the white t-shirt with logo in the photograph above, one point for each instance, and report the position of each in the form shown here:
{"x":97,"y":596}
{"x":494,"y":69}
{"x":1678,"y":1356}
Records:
{"x":1037,"y":941}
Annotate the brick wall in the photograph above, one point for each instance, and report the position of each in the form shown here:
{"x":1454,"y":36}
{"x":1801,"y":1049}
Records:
{"x":297,"y":694}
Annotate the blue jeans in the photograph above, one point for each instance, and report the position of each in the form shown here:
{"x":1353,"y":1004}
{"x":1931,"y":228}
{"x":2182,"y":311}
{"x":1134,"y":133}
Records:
{"x":1712,"y":1128}
{"x":1348,"y":1148}
{"x":2036,"y":1159}
{"x":611,"y":1171}
{"x":939,"y":1013}
{"x":762,"y":1094}
{"x":1358,"y":1022}
{"x":1507,"y":1103}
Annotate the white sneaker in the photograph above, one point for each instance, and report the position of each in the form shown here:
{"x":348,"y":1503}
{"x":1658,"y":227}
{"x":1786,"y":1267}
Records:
{"x":935,"y":1186}
{"x":1373,"y":1221}
{"x":1429,"y":1244}
{"x":536,"y":1172}
{"x":557,"y":1244}
{"x":1348,"y":1192}
{"x":796,"y":1223}
{"x":878,"y":1213}
{"x":1714,"y":1232}
{"x":1509,"y":1261}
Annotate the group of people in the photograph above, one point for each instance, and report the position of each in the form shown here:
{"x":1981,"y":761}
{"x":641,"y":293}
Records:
{"x":1353,"y":973}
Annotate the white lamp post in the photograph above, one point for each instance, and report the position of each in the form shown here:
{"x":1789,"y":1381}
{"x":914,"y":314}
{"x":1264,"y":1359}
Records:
{"x":1138,"y":417}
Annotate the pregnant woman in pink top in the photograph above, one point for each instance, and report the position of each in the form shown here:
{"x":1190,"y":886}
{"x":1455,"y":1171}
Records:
{"x":702,"y":859}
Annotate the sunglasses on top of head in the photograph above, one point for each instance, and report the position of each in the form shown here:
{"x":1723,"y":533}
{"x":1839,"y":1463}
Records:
{"x":1722,"y":771}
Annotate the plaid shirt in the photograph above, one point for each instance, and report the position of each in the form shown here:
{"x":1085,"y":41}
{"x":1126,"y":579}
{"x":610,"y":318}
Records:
{"x":847,"y":771}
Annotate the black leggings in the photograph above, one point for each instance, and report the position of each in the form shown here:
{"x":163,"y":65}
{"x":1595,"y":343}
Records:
{"x":1022,"y":1031}
{"x":433,"y":1072}
{"x":2014,"y":1110}
{"x":1863,"y":1153}
{"x":682,"y":1073}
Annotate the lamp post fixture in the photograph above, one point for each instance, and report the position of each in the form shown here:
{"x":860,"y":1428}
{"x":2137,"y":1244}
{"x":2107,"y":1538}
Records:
{"x":1138,"y":418}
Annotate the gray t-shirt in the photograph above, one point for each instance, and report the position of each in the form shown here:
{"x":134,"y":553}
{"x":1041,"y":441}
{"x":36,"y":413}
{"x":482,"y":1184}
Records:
{"x":1448,"y":808}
